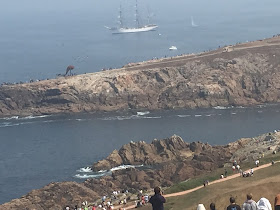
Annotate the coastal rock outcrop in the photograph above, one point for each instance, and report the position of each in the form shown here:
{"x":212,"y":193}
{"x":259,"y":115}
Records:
{"x":171,"y":160}
{"x":246,"y":76}
{"x":53,"y":196}
{"x":137,"y":153}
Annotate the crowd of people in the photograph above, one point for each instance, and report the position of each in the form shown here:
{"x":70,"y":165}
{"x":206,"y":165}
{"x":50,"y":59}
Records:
{"x":249,"y":204}
{"x":156,"y":200}
{"x":237,"y":169}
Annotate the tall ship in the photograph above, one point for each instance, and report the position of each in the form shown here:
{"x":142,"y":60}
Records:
{"x":137,"y":28}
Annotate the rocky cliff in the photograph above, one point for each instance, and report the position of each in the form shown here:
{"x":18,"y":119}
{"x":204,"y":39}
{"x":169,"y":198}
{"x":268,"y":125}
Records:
{"x":247,"y":75}
{"x":170,"y":161}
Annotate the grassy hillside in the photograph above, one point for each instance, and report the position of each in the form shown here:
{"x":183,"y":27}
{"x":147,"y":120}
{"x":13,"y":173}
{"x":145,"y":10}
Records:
{"x":264,"y":183}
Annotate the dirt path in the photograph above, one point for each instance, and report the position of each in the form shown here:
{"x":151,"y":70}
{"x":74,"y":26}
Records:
{"x":197,"y":188}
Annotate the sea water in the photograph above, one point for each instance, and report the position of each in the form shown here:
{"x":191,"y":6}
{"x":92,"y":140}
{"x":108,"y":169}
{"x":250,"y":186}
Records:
{"x":38,"y":150}
{"x":39,"y":39}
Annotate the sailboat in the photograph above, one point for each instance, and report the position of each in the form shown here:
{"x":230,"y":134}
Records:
{"x":193,"y":24}
{"x":136,"y":29}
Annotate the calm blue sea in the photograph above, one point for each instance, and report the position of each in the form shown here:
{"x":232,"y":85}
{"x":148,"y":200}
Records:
{"x":38,"y":39}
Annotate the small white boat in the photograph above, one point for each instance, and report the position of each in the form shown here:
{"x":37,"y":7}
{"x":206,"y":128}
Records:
{"x":173,"y":48}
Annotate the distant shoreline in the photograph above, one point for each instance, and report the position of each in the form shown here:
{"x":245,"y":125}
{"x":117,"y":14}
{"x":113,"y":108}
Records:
{"x":240,"y":75}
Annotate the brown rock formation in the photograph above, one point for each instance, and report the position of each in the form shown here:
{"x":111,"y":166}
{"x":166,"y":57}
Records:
{"x":171,"y":160}
{"x":137,"y":153}
{"x":53,"y":196}
{"x":247,"y":75}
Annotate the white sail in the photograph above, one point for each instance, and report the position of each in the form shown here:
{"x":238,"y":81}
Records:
{"x":193,"y":24}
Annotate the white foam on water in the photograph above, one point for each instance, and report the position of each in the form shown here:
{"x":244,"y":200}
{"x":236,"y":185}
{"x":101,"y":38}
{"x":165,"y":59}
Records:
{"x":121,"y":167}
{"x":120,"y":118}
{"x":87,"y":176}
{"x":260,"y":111}
{"x":10,"y":118}
{"x":34,"y":117}
{"x":261,"y":106}
{"x":152,"y":117}
{"x":208,"y":115}
{"x":126,"y":117}
{"x":85,"y":170}
{"x":24,"y":123}
{"x":143,"y":113}
{"x":198,"y":115}
{"x":9,"y":125}
{"x":47,"y":121}
{"x":233,"y":113}
{"x":81,"y":119}
{"x":220,"y":107}
{"x":187,"y":115}
{"x":241,"y":107}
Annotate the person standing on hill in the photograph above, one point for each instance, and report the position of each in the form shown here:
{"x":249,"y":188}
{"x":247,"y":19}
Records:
{"x":277,"y":202}
{"x":226,"y":173}
{"x":249,"y":204}
{"x":200,"y":207}
{"x":212,"y":206}
{"x":264,"y":204}
{"x":157,"y":200}
{"x":233,"y":205}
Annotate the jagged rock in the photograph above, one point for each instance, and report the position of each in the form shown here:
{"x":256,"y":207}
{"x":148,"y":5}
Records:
{"x":137,"y":153}
{"x":53,"y":196}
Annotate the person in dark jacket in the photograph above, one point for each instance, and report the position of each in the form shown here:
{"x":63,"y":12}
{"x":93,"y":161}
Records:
{"x":233,"y":205}
{"x":157,"y":199}
{"x":212,"y":206}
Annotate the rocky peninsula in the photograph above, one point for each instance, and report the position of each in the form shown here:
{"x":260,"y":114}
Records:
{"x":170,"y":161}
{"x":241,"y":75}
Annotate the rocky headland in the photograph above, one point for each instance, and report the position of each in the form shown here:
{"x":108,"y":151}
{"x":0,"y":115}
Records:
{"x":169,"y":161}
{"x":241,"y":75}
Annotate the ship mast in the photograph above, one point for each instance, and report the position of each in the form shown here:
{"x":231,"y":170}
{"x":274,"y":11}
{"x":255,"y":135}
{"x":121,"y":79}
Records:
{"x":120,"y":17}
{"x":137,"y":16}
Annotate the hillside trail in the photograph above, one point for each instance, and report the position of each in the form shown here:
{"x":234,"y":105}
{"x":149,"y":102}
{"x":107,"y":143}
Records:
{"x":197,"y":188}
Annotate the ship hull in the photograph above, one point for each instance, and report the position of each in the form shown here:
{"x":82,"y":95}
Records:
{"x":135,"y":30}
